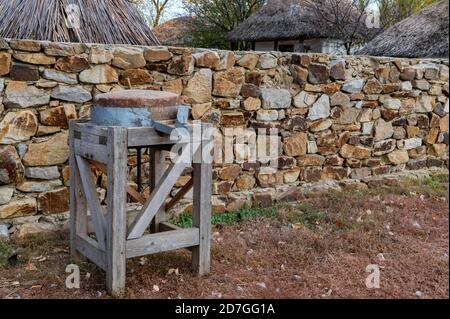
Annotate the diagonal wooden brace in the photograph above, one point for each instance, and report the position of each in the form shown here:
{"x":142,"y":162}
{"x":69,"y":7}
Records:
{"x":92,"y":200}
{"x":159,"y":194}
{"x":183,"y":191}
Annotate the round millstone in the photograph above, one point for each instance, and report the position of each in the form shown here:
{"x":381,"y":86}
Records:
{"x":134,"y":108}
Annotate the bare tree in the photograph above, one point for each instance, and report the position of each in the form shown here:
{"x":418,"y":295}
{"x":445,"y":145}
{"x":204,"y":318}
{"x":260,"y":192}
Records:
{"x":393,"y":11}
{"x":153,"y":10}
{"x":346,"y":19}
{"x":216,"y":18}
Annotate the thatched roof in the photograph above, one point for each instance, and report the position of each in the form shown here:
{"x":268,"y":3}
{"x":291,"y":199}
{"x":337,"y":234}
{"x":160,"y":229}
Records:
{"x":101,"y":21}
{"x":281,"y":19}
{"x":175,"y":32}
{"x":423,"y":35}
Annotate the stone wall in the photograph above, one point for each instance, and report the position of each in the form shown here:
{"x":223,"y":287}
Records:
{"x":342,"y":119}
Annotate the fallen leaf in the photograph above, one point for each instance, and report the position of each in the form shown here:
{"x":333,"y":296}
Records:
{"x":142,"y":261}
{"x":30,"y":267}
{"x":173,"y":271}
{"x":262,"y":285}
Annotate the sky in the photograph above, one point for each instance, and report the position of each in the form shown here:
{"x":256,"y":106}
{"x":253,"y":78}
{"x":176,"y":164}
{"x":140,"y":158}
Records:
{"x":175,"y":11}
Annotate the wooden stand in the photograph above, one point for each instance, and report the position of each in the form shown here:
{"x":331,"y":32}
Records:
{"x":116,"y":235}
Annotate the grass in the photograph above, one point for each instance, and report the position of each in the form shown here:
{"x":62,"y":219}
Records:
{"x":286,"y":214}
{"x":302,"y":213}
{"x":6,"y":252}
{"x":229,"y":218}
{"x":334,"y":233}
{"x":307,"y":214}
{"x":436,"y":185}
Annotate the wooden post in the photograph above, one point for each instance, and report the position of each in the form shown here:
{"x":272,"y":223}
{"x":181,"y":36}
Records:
{"x":158,"y":167}
{"x":116,"y":213}
{"x":201,"y":254}
{"x":107,"y":149}
{"x":78,"y":205}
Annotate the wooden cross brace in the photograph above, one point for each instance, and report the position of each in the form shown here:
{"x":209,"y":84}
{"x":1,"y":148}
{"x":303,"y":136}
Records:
{"x":159,"y":194}
{"x":106,"y":149}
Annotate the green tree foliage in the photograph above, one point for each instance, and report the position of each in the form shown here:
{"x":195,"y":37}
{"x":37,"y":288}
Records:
{"x":393,"y":11}
{"x":216,"y":18}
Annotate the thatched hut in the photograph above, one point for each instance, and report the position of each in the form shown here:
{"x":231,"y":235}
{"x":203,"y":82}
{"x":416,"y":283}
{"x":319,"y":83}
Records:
{"x":176,"y":32}
{"x":286,"y":25}
{"x":87,"y":21}
{"x":423,"y":35}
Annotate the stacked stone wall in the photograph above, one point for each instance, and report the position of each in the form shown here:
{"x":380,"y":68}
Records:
{"x":340,"y":120}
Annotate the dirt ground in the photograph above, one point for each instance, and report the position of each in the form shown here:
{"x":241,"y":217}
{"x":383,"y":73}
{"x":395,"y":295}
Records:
{"x":318,"y":248}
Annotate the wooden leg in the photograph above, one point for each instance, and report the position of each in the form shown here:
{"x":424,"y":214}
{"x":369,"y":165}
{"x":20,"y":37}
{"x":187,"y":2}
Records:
{"x":158,"y":167}
{"x":116,"y":216}
{"x":201,"y":255}
{"x":78,"y":206}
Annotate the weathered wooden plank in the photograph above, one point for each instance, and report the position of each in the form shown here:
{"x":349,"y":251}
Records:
{"x":116,"y":216}
{"x":96,"y":152}
{"x":201,"y":255}
{"x":90,"y":129}
{"x":93,"y":202}
{"x":165,"y":226}
{"x":157,"y":198}
{"x":146,"y":136}
{"x":160,"y":242}
{"x":90,"y":138}
{"x":78,"y":208}
{"x":72,"y":196}
{"x":181,"y":193}
{"x":136,"y":195}
{"x":143,"y":136}
{"x":158,"y":167}
{"x":90,"y":249}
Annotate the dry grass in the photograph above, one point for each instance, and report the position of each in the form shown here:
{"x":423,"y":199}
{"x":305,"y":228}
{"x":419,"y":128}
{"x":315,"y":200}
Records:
{"x":318,"y":248}
{"x":101,"y":21}
{"x":423,"y":35}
